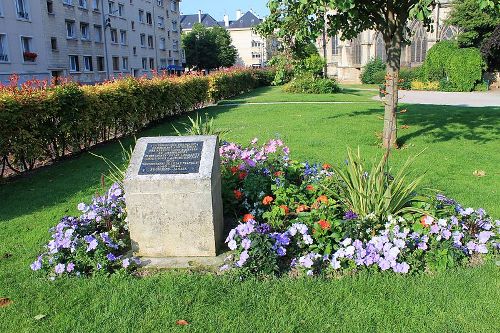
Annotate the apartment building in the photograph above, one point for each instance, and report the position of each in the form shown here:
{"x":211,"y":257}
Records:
{"x":346,"y":59}
{"x":253,"y":49}
{"x":22,"y":48}
{"x":94,"y":40}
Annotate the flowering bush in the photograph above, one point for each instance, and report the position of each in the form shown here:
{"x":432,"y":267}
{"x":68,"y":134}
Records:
{"x":293,"y":220}
{"x":94,"y":243}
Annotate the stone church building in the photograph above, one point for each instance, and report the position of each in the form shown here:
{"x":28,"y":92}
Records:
{"x":346,"y":59}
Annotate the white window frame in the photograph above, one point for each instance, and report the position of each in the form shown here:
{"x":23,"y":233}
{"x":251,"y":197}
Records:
{"x":77,"y":63}
{"x":23,"y":15}
{"x":5,"y":48}
{"x":115,"y":39}
{"x":111,"y":8}
{"x":152,"y":44}
{"x":160,"y":3}
{"x":141,"y":16}
{"x":121,"y":10}
{"x":142,"y":40}
{"x":96,"y":5}
{"x":125,"y":63}
{"x":173,"y":6}
{"x":73,"y":36}
{"x":1,"y":10}
{"x":144,"y":63}
{"x":163,"y":44}
{"x":68,"y":2}
{"x":83,"y":24}
{"x":85,"y":68}
{"x":161,"y":22}
{"x":83,"y":4}
{"x":123,"y":33}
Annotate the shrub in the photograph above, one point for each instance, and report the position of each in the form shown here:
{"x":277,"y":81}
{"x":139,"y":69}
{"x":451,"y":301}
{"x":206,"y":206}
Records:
{"x":419,"y":85}
{"x":378,"y":77}
{"x":310,"y":85}
{"x":283,"y":69}
{"x":373,"y":66}
{"x":437,"y":60}
{"x":311,"y":66}
{"x":40,"y":122}
{"x":466,"y":69}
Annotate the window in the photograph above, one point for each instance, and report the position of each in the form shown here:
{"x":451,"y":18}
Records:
{"x":125,"y":63}
{"x":161,"y":22}
{"x":141,"y":16}
{"x":87,"y":64}
{"x":255,"y":43}
{"x":133,"y":25}
{"x":255,"y":55}
{"x":356,"y":50}
{"x":168,"y":34}
{"x":22,"y":9}
{"x":27,"y":47}
{"x":68,"y":2}
{"x":174,"y":26}
{"x":1,"y":10}
{"x":70,"y":29}
{"x":111,"y":8}
{"x":150,"y":42}
{"x":149,"y":18}
{"x":134,"y":50}
{"x":151,"y":63}
{"x":4,"y":55}
{"x":123,"y":37}
{"x":84,"y":31}
{"x":98,"y":33}
{"x":162,"y":43}
{"x":163,"y":63}
{"x":114,"y":36}
{"x":143,"y":40}
{"x":74,"y":65}
{"x":82,"y":4}
{"x":50,"y":7}
{"x":380,"y":48}
{"x":160,"y":3}
{"x":173,"y":5}
{"x":170,"y":53}
{"x":116,"y":63}
{"x":335,"y":45}
{"x":95,"y":4}
{"x":100,"y":64}
{"x":418,"y":43}
{"x":144,"y":63}
{"x":121,"y":10}
{"x":53,"y":43}
{"x":175,"y":45}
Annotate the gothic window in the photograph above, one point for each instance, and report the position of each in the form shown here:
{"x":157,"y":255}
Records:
{"x":380,"y":48}
{"x":356,"y":50}
{"x":418,"y":43}
{"x":335,"y":45}
{"x":448,"y":32}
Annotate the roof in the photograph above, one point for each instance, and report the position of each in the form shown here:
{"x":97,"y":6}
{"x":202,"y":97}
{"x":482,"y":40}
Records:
{"x":187,"y":21}
{"x":249,"y":20}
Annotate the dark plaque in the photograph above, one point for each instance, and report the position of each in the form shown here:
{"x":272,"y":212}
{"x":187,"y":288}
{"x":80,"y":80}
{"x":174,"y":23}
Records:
{"x":171,"y":158}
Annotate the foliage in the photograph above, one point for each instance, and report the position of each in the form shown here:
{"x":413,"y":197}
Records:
{"x":322,"y":220}
{"x":310,"y":85}
{"x":198,"y":126}
{"x":476,"y":23}
{"x":208,"y":48}
{"x":368,"y":74}
{"x":41,"y":122}
{"x":491,"y":49}
{"x":312,"y":66}
{"x":284,"y":69}
{"x":116,"y":171}
{"x":94,"y":243}
{"x":430,"y":85}
{"x":437,"y":60}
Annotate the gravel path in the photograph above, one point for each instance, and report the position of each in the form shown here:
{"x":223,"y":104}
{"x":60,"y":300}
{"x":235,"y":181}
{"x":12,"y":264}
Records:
{"x":471,"y":99}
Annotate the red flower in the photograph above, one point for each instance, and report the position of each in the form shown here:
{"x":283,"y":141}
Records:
{"x":237,"y":194}
{"x":322,"y":199}
{"x":234,"y":170}
{"x":326,"y":166}
{"x":324,"y":224}
{"x":278,"y":173}
{"x":302,"y":208}
{"x":285,"y":209}
{"x":248,"y":217}
{"x":242,"y":175}
{"x":267,"y":200}
{"x":310,"y":188}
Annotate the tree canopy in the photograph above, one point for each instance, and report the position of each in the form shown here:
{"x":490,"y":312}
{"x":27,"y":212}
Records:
{"x":208,"y":48}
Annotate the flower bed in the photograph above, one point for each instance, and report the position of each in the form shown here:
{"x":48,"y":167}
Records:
{"x":299,"y":219}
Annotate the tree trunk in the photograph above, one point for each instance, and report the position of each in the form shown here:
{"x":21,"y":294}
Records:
{"x":393,"y":50}
{"x":325,"y":66}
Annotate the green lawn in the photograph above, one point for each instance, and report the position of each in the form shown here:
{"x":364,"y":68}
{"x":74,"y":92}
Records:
{"x":458,"y":140}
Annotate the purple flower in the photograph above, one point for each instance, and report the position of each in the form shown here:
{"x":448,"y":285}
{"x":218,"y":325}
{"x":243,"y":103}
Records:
{"x":245,"y":243}
{"x":70,"y":267}
{"x":350,"y":215}
{"x":484,"y":236}
{"x":111,"y":257}
{"x":263,"y":228}
{"x":401,"y":268}
{"x":281,"y":251}
{"x":446,"y":234}
{"x":243,"y":258}
{"x":59,"y":269}
{"x":125,"y":263}
{"x":35,"y":266}
{"x":434,"y":229}
{"x":384,"y":264}
{"x":232,"y":245}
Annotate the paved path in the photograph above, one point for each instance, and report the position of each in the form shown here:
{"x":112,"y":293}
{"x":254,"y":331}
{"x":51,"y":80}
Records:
{"x":471,"y":99}
{"x":297,"y":102}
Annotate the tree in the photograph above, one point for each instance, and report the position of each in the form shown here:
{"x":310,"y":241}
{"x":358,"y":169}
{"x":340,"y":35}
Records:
{"x":208,"y":48}
{"x":491,"y":49}
{"x":306,"y":18}
{"x":226,"y":52}
{"x":476,"y":24}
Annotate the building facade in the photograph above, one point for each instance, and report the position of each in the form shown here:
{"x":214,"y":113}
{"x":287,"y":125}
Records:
{"x":94,"y":40}
{"x":253,"y":49}
{"x":346,"y":59}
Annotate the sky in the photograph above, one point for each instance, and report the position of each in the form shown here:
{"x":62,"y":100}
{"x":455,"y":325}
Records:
{"x":217,"y":8}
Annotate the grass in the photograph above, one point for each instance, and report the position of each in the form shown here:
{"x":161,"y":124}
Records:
{"x":458,"y":140}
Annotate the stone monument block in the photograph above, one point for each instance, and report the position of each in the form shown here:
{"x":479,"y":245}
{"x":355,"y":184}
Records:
{"x":173,"y":197}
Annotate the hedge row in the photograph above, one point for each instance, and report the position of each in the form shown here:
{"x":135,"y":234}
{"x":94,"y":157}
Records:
{"x":39,"y":122}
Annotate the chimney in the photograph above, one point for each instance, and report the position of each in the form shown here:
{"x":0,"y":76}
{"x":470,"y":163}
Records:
{"x":238,"y":14}
{"x":226,"y":20}
{"x":199,"y":16}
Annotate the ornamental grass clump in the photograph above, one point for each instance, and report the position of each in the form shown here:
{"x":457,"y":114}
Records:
{"x":94,"y":243}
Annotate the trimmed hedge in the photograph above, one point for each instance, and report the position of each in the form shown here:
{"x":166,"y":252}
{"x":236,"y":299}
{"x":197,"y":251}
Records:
{"x":39,"y":122}
{"x":310,"y":85}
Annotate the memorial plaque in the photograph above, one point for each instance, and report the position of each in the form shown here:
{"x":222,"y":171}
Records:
{"x":167,"y":158}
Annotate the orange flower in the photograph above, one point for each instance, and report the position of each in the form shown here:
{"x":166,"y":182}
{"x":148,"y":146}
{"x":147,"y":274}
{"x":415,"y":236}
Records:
{"x":302,"y":208}
{"x":267,"y":200}
{"x":310,"y":188}
{"x":326,"y":166}
{"x":322,"y":199}
{"x":426,"y":220}
{"x":242,"y":175}
{"x":234,"y":170}
{"x":278,"y":173}
{"x":285,"y":209}
{"x":237,"y":194}
{"x":248,"y":217}
{"x":324,"y":224}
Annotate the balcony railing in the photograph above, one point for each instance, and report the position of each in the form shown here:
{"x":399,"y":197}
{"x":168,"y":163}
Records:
{"x":4,"y":57}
